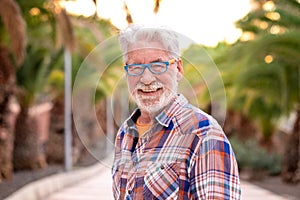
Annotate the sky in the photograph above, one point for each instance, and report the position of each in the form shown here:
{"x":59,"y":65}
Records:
{"x":206,"y":22}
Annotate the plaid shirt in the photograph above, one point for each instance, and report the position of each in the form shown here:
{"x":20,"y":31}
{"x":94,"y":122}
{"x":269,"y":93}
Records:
{"x":185,"y":155}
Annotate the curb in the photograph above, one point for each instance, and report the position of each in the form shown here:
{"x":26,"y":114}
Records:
{"x":44,"y":187}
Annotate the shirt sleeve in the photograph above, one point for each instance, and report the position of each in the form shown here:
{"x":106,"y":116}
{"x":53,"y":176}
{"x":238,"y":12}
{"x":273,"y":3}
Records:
{"x":118,"y":142}
{"x":214,"y":174}
{"x":117,"y":157}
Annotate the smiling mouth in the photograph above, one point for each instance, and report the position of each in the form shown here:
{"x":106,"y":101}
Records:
{"x":149,"y":91}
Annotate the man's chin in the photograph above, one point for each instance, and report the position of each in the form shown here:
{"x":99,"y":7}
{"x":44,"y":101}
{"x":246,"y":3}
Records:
{"x":152,"y":105}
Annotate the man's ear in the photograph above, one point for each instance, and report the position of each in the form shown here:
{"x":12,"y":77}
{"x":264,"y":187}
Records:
{"x":180,"y":69}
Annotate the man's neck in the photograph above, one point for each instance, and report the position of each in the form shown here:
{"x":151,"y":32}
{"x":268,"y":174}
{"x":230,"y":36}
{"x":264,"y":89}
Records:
{"x":145,"y":118}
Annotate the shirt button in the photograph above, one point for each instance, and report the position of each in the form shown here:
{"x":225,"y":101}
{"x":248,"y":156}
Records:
{"x":162,"y":167}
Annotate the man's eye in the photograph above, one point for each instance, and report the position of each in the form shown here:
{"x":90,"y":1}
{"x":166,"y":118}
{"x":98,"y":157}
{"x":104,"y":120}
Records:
{"x":135,"y":68}
{"x":158,"y":66}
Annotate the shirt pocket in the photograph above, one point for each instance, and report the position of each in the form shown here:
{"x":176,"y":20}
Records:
{"x":162,"y":181}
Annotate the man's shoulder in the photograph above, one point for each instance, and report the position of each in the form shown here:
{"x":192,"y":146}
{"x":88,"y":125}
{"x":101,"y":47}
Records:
{"x":192,"y":119}
{"x":191,"y":114}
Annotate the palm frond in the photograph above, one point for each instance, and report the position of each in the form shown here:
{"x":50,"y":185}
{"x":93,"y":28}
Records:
{"x":15,"y":25}
{"x":156,"y":6}
{"x":65,"y":29}
{"x":128,"y":14}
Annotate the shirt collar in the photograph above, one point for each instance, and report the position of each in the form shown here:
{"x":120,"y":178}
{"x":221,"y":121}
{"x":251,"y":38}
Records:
{"x":173,"y":109}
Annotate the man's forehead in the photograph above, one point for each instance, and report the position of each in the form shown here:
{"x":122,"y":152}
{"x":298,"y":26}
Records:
{"x":145,"y":59}
{"x":144,"y":51}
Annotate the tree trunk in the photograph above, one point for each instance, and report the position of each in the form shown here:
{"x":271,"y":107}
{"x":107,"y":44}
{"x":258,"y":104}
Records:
{"x":55,"y":145}
{"x":7,"y":116}
{"x":7,"y":122}
{"x":237,"y":124}
{"x":30,"y":137}
{"x":291,"y":158}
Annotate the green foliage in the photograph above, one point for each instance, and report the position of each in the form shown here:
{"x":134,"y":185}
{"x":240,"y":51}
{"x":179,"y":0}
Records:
{"x":202,"y":74}
{"x":261,"y":75}
{"x":289,"y":12}
{"x":32,"y":75}
{"x":40,"y":22}
{"x":98,"y":45}
{"x":41,"y":54}
{"x":250,"y":155}
{"x":96,"y":60}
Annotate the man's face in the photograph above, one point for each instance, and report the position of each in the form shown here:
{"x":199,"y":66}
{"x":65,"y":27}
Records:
{"x":152,"y":92}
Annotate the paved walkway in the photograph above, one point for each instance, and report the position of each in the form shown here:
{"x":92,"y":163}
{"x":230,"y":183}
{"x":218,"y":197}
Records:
{"x":95,"y":188}
{"x":100,"y":186}
{"x":94,"y":183}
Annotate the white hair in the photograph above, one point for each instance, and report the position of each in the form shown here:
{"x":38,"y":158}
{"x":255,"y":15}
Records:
{"x":149,"y":33}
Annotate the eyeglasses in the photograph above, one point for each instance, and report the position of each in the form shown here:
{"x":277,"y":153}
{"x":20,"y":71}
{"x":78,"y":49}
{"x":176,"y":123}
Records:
{"x":155,"y":67}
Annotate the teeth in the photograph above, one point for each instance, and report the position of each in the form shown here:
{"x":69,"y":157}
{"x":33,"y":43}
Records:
{"x":150,"y":88}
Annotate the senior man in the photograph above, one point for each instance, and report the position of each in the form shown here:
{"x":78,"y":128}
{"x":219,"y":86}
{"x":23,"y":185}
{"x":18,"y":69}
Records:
{"x":167,"y":148}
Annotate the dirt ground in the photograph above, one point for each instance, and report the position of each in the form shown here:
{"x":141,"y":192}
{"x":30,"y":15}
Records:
{"x":21,"y":178}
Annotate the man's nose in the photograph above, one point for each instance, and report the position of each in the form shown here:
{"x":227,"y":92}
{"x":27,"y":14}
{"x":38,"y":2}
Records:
{"x":147,"y":77}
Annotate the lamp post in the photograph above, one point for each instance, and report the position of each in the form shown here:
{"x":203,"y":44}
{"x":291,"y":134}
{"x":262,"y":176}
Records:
{"x":67,"y":110}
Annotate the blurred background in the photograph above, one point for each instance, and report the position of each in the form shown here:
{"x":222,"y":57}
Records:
{"x":254,"y":44}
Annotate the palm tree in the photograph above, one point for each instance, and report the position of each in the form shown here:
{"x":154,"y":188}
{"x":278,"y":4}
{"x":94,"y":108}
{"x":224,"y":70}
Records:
{"x":12,"y":30}
{"x":95,"y":79}
{"x":265,"y":82}
{"x":31,"y":78}
{"x":42,"y":18}
{"x":88,"y":33}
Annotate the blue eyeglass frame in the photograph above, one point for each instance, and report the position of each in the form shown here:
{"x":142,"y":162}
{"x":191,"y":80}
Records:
{"x":148,"y":65}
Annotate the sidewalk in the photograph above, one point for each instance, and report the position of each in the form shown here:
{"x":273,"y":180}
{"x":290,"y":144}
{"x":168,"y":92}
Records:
{"x":95,"y":188}
{"x":99,"y":187}
{"x":94,"y":183}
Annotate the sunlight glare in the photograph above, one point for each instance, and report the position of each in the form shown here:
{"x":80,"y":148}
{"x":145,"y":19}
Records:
{"x":112,"y":10}
{"x":34,"y":11}
{"x":85,"y":8}
{"x":269,"y":6}
{"x":274,"y":16}
{"x":268,"y":59}
{"x":205,"y":22}
{"x":275,"y":29}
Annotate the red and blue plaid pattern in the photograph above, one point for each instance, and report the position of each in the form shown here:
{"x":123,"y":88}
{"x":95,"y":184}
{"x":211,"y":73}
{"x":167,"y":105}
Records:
{"x":185,"y":155}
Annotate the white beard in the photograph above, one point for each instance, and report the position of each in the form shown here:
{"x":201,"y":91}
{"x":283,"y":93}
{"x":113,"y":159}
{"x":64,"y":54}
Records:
{"x":154,"y":104}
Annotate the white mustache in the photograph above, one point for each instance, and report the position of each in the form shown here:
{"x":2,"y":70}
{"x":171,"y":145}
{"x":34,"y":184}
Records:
{"x":149,"y":88}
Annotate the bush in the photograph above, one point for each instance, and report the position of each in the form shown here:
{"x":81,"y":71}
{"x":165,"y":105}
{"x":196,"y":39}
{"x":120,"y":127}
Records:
{"x":253,"y":157}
